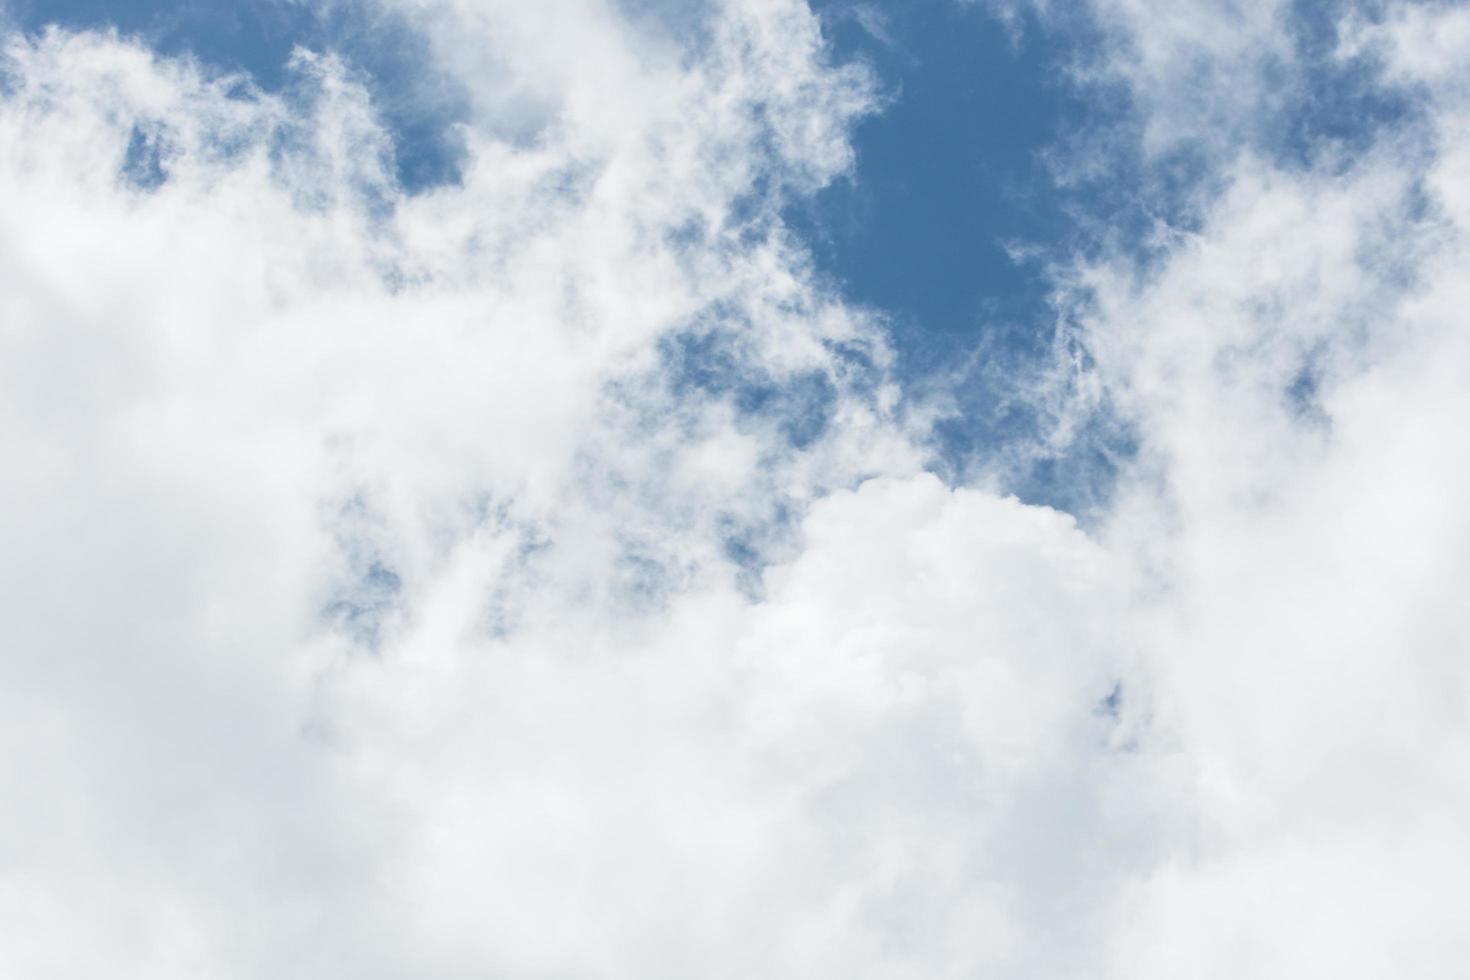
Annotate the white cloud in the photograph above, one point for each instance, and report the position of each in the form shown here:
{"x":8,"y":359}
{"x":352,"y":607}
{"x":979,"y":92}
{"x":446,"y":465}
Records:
{"x":1288,"y":366}
{"x":1193,"y":73}
{"x":422,"y":586}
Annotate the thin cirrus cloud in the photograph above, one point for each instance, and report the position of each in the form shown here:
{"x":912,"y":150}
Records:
{"x":541,"y":572}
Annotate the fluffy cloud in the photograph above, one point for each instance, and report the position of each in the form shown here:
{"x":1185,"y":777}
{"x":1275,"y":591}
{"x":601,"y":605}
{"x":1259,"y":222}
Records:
{"x":1289,"y":365}
{"x":537,"y":575}
{"x":1295,"y":499}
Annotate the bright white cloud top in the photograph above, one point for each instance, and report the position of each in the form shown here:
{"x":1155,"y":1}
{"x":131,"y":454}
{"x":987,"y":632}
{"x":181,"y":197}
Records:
{"x":409,"y":585}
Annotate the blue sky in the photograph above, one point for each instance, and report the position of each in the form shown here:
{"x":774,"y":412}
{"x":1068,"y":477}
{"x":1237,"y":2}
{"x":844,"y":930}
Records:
{"x":943,"y":227}
{"x":947,"y":222}
{"x":949,"y":173}
{"x":257,"y":37}
{"x":921,"y":234}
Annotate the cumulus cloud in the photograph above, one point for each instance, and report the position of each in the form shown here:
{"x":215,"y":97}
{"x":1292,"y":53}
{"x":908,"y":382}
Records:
{"x":1287,"y":363}
{"x":1301,"y":448}
{"x":537,"y":575}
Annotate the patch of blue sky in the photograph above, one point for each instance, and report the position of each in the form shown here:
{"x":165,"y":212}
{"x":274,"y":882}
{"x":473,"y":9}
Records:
{"x":144,"y":162}
{"x":419,"y":105}
{"x":1340,"y":105}
{"x":953,"y":211}
{"x":711,"y":363}
{"x":370,"y":588}
{"x":950,"y":177}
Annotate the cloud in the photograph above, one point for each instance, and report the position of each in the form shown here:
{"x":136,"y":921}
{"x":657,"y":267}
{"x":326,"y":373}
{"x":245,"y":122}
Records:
{"x":1299,"y":446}
{"x":272,"y":420}
{"x":537,"y":575}
{"x":1285,"y":363}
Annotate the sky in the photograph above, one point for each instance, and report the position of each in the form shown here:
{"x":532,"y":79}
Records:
{"x":728,"y":488}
